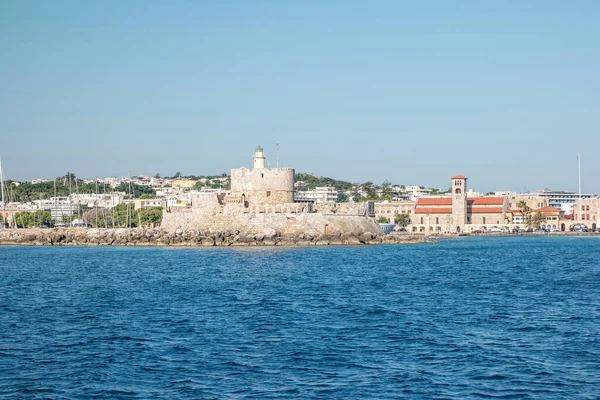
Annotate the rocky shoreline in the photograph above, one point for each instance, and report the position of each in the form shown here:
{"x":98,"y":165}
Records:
{"x":187,"y":237}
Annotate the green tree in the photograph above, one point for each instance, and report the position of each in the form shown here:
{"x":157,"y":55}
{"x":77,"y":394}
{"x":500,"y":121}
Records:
{"x":136,"y":190}
{"x":370,"y":190}
{"x":402,"y":220}
{"x":198,"y":185}
{"x":150,"y":216}
{"x":32,"y":219}
{"x":356,"y":196}
{"x":157,"y":176}
{"x":383,"y":220}
{"x":310,"y":182}
{"x":386,"y":191}
{"x":148,"y":196}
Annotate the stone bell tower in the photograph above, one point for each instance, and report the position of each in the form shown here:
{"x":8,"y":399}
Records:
{"x":459,"y":203}
{"x":259,"y":158}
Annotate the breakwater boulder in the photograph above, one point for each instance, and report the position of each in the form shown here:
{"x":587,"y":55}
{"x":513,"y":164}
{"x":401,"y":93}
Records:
{"x":187,"y":237}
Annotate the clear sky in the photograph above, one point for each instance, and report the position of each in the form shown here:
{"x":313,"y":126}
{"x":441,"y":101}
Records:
{"x":505,"y":93}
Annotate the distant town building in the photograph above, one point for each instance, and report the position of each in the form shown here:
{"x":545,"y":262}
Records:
{"x":100,"y":200}
{"x":532,"y":201}
{"x":560,"y":199}
{"x":148,"y":203}
{"x":324,"y":194}
{"x":60,"y":208}
{"x":390,"y":209}
{"x":183,"y":183}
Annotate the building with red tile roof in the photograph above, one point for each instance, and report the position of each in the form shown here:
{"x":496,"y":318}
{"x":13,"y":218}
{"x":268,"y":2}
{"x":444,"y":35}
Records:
{"x":457,"y":212}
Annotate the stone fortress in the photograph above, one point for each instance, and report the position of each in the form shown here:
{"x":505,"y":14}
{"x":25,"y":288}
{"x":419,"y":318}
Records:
{"x":261,"y":202}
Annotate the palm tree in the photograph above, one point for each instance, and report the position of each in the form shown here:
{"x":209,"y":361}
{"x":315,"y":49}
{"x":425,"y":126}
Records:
{"x":526,"y":212}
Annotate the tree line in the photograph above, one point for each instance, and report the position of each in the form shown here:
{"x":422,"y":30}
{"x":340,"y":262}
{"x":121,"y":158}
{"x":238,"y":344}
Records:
{"x":121,"y":216}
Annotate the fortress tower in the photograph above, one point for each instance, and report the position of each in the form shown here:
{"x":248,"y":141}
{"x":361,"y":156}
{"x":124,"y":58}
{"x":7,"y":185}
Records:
{"x":459,"y":203}
{"x":262,"y":185}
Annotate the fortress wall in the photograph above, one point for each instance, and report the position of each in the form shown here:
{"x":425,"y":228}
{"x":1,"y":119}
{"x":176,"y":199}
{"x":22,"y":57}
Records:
{"x":341,"y":208}
{"x":285,"y":224}
{"x":207,"y":204}
{"x":173,"y":220}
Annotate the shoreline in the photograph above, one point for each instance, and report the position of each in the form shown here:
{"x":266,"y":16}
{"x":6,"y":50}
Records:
{"x":185,"y":238}
{"x":158,"y":237}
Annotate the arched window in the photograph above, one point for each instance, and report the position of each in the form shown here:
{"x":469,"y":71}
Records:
{"x":437,"y":220}
{"x":421,"y":220}
{"x":457,"y":191}
{"x":484,"y":220}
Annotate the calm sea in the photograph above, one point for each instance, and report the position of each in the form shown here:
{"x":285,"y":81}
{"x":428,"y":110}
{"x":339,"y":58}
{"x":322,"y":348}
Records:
{"x":467,"y":318}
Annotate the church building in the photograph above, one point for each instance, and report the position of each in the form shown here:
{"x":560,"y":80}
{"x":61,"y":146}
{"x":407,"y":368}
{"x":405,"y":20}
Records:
{"x":458,"y":213}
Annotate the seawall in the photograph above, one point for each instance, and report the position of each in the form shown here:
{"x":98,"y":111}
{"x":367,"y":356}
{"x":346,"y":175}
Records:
{"x":186,"y":237}
{"x":283,"y":224}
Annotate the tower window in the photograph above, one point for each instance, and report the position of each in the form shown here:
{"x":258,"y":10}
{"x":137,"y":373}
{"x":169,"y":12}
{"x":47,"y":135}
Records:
{"x":458,"y":191}
{"x":262,"y":175}
{"x":268,"y":193}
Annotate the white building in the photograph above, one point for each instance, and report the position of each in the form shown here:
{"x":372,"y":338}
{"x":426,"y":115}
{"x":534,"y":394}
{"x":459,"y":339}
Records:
{"x":58,"y":207}
{"x":100,"y":200}
{"x":560,"y":199}
{"x":324,"y":194}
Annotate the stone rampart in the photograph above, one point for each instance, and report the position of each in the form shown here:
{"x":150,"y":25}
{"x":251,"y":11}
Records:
{"x":184,"y":237}
{"x":283,"y":223}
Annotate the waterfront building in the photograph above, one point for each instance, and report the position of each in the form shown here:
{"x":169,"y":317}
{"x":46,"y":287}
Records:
{"x":390,"y":209}
{"x":552,"y":216}
{"x":532,"y":201}
{"x":590,"y":213}
{"x":459,"y":213}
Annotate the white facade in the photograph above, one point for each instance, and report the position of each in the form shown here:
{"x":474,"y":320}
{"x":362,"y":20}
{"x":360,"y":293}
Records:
{"x":325,"y":194}
{"x":563,"y":200}
{"x":101,"y":200}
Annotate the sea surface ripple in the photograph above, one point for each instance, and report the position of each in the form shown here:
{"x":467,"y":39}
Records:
{"x":510,"y":318}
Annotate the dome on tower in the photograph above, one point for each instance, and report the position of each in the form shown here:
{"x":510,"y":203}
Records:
{"x":259,"y":149}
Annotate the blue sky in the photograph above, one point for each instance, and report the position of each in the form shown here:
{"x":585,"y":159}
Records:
{"x":505,"y":93}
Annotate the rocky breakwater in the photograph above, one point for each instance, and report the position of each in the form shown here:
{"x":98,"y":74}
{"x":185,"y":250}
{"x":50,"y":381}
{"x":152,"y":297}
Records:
{"x":185,"y":237}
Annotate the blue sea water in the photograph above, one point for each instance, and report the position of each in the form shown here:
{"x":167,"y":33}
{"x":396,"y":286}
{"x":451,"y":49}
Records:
{"x":467,"y":318}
